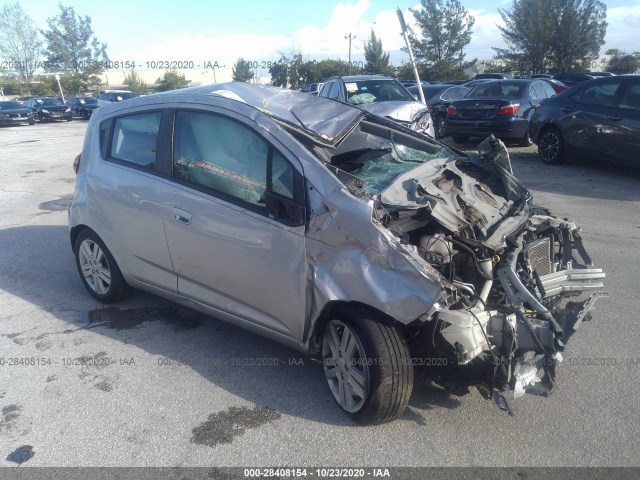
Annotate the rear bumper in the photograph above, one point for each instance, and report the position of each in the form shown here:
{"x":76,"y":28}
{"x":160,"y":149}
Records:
{"x":514,"y":128}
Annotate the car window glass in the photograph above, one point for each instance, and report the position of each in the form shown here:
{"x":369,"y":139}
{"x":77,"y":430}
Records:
{"x":548,"y":89}
{"x":324,"y":92}
{"x":533,"y":92}
{"x":335,"y":90}
{"x":539,"y":89}
{"x":448,"y":95}
{"x":281,"y":176}
{"x":221,"y":154}
{"x":135,"y":138}
{"x":631,"y":98}
{"x":600,"y":93}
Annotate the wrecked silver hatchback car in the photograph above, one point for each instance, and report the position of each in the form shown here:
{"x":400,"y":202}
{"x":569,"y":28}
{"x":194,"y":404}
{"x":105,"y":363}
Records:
{"x":336,"y":232}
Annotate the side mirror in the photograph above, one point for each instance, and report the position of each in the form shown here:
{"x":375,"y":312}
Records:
{"x":285,"y":210}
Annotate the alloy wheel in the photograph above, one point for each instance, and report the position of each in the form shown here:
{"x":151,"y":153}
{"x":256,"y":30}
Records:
{"x":345,"y":366}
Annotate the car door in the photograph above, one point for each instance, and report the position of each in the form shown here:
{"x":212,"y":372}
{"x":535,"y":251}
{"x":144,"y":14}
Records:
{"x":231,"y":249}
{"x":128,"y":198}
{"x":626,"y":120}
{"x":586,"y":125}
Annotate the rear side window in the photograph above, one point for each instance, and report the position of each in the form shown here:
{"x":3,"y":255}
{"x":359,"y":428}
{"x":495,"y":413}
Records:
{"x":135,"y":139}
{"x":631,"y":98}
{"x":602,"y":94}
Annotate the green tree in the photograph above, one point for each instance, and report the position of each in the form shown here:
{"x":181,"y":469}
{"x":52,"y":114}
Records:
{"x":287,"y":71}
{"x":529,"y":34}
{"x":552,"y":35}
{"x":72,"y":48}
{"x":20,"y":42}
{"x":241,"y":71}
{"x":172,"y":80}
{"x":134,"y":83}
{"x":446,"y":28}
{"x":11,"y":84}
{"x":622,"y":62}
{"x":377,"y":60}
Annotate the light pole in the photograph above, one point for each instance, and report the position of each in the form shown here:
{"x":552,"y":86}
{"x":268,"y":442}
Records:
{"x":349,"y":37}
{"x":59,"y":86}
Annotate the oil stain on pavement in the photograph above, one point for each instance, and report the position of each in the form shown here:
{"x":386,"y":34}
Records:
{"x":9,"y":415}
{"x":125,"y":319}
{"x":222,"y":427}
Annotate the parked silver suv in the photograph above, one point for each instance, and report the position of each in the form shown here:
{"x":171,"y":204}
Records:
{"x":334,"y":231}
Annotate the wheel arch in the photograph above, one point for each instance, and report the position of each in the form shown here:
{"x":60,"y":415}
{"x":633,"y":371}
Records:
{"x":346,"y":309}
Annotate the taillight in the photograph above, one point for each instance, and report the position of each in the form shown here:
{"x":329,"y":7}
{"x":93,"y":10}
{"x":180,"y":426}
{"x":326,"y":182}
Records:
{"x":76,"y":163}
{"x":429,"y":107}
{"x":509,"y":109}
{"x":452,"y":110}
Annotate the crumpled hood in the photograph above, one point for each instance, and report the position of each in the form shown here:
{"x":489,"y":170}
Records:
{"x":398,"y":110}
{"x":463,"y":193}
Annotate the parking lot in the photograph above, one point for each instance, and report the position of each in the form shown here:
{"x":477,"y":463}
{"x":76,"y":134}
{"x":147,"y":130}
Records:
{"x":149,"y":383}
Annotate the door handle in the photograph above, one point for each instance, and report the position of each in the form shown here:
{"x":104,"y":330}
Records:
{"x":181,"y":216}
{"x":614,"y":118}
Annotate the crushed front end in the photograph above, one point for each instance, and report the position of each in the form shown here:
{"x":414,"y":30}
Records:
{"x":518,"y":280}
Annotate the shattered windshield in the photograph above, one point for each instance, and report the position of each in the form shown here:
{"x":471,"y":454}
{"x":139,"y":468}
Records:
{"x":377,"y":174}
{"x":377,"y":156}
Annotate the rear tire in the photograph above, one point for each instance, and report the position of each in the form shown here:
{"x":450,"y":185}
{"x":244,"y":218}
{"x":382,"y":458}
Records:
{"x":98,"y":269}
{"x":368,"y":368}
{"x":460,"y":138}
{"x":551,"y":146}
{"x":526,"y":140}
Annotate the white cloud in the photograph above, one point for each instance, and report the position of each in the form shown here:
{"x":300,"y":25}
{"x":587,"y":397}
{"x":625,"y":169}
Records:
{"x":624,"y":24}
{"x":329,"y":40}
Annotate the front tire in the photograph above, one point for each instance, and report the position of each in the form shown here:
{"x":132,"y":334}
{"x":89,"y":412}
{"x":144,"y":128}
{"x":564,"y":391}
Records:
{"x":98,"y":269}
{"x":439,"y":126}
{"x":551,"y":146}
{"x":368,"y":368}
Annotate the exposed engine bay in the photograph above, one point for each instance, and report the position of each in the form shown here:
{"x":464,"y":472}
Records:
{"x":517,"y":281}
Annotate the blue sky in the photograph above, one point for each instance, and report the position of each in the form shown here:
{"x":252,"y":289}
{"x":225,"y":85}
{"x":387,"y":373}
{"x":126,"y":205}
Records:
{"x":144,"y":30}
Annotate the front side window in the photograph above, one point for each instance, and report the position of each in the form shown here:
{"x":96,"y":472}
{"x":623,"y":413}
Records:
{"x":135,"y":139}
{"x":221,"y":154}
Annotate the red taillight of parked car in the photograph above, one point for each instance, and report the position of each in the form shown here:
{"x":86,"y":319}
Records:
{"x":76,"y":163}
{"x":509,"y":109}
{"x":452,"y":110}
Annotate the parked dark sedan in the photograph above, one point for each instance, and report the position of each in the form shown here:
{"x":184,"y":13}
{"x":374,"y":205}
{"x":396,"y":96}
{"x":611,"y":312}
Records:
{"x":438,"y":99}
{"x":13,"y":112}
{"x":600,"y":118}
{"x":499,"y":107}
{"x":82,"y":107}
{"x":48,"y":109}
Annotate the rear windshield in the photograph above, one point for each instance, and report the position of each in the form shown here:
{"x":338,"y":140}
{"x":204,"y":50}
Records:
{"x":88,"y":101}
{"x":497,"y":89}
{"x":375,"y":91}
{"x":48,"y":102}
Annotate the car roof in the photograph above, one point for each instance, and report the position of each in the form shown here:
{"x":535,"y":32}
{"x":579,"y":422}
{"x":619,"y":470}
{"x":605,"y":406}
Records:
{"x":327,"y":119}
